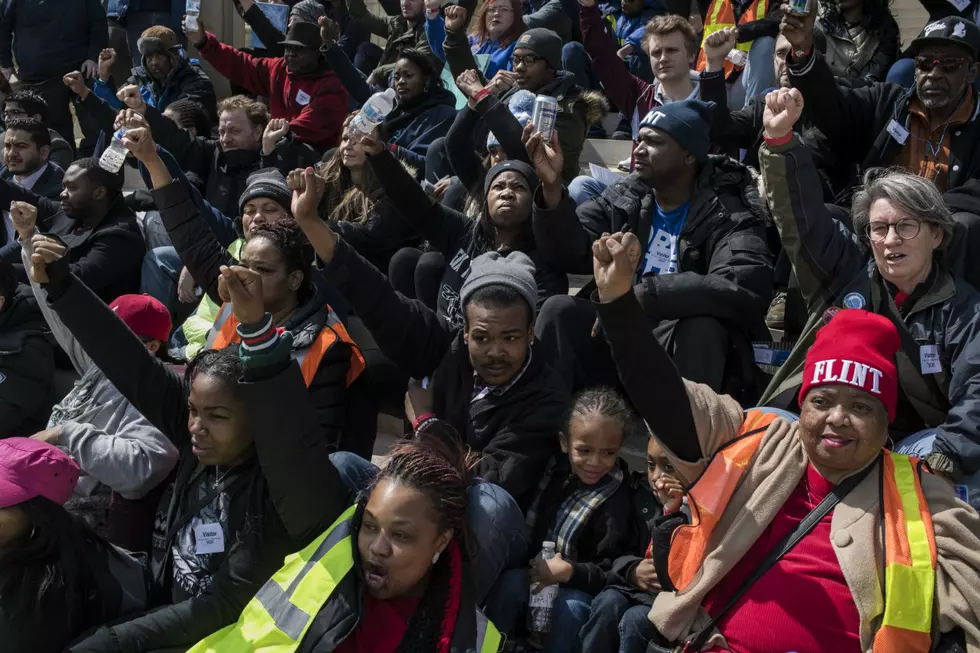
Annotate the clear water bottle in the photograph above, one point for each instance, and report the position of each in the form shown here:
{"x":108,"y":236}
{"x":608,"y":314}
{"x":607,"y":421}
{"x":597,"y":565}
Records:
{"x":373,"y":112}
{"x":539,"y":608}
{"x":192,"y":10}
{"x":114,"y":156}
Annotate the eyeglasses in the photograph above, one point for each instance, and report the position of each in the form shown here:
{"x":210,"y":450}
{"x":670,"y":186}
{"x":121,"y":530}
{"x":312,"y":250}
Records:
{"x":906,"y":229}
{"x":527,"y":59}
{"x":946,"y":64}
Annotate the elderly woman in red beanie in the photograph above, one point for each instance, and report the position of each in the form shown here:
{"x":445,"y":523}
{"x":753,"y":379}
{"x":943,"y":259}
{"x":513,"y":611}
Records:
{"x":804,"y":536}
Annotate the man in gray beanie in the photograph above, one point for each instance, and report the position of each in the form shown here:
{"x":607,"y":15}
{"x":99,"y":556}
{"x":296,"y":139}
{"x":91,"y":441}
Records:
{"x":705,"y":274}
{"x":486,"y":380}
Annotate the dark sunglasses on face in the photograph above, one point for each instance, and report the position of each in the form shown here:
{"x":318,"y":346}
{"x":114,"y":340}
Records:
{"x":946,"y":64}
{"x":527,"y":59}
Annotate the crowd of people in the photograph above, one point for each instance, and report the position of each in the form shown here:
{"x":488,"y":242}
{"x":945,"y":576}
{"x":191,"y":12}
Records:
{"x":781,"y":306}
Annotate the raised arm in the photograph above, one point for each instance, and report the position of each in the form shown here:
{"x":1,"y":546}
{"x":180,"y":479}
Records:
{"x":689,"y":419}
{"x":623,"y":88}
{"x":406,"y":330}
{"x":194,"y":241}
{"x":349,"y":76}
{"x":239,"y":67}
{"x":379,"y":25}
{"x":440,"y":225}
{"x":194,"y":154}
{"x":155,"y":391}
{"x":823,"y":255}
{"x":303,"y":484}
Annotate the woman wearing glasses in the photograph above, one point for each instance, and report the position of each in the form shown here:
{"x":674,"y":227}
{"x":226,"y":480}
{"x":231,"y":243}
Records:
{"x":891,"y":265}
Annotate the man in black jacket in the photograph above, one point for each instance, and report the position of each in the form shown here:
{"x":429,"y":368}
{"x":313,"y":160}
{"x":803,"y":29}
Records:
{"x":931,"y":130}
{"x":105,"y":244}
{"x":26,"y":147}
{"x":49,"y":39}
{"x":26,"y":358}
{"x":706,"y":277}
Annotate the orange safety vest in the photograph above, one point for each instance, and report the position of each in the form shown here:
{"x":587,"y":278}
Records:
{"x":225,"y":332}
{"x":910,"y":543}
{"x":721,"y":15}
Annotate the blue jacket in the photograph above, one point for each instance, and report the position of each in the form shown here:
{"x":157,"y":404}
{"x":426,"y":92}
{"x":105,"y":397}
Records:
{"x":435,"y":31}
{"x":50,"y":38}
{"x":410,"y":131}
{"x":187,"y":82}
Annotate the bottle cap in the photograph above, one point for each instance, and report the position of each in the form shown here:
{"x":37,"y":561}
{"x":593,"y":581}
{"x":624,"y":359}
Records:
{"x":548,"y":545}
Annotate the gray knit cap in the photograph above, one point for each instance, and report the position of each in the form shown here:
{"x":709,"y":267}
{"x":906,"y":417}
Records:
{"x":307,"y":11}
{"x":267,"y":182}
{"x":514,"y":270}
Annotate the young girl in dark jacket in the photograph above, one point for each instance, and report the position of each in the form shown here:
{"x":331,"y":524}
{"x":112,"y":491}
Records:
{"x":583,"y":505}
{"x":217,"y":536}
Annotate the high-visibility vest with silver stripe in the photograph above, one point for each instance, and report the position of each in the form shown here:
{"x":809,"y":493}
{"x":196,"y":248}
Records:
{"x":276,"y":620}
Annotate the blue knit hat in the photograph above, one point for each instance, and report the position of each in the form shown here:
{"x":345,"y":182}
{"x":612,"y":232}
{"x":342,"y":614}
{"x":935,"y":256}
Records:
{"x":521,"y":104}
{"x":688,"y":122}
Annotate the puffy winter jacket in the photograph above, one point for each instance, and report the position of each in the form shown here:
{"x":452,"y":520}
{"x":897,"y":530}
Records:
{"x":725,"y":268}
{"x":835,"y":270}
{"x":187,"y":81}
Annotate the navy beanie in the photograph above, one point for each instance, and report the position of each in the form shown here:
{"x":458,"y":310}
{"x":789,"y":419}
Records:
{"x":515,"y":166}
{"x":688,"y":122}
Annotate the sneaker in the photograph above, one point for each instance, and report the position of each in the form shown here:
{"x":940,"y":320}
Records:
{"x":624,"y":165}
{"x":597,"y":131}
{"x":776,"y":316}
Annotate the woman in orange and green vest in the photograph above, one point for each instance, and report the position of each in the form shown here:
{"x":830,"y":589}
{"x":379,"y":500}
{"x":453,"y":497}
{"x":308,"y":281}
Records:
{"x":384,"y":572}
{"x":277,"y":249}
{"x":889,"y":560}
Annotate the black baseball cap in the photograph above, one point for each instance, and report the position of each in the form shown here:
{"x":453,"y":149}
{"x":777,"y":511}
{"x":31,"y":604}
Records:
{"x":952,"y":29}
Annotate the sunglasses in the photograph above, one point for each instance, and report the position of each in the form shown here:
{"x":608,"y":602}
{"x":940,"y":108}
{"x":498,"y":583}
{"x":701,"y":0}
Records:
{"x":527,"y":59}
{"x":946,"y":64}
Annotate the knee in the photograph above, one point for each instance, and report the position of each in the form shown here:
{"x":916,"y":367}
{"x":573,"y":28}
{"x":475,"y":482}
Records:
{"x":609,"y":604}
{"x":699,"y":327}
{"x":583,"y":188}
{"x":364,"y":48}
{"x":636,"y":622}
{"x":494,"y":506}
{"x":403,"y":263}
{"x":555,"y":311}
{"x":356,"y":472}
{"x":160,"y":259}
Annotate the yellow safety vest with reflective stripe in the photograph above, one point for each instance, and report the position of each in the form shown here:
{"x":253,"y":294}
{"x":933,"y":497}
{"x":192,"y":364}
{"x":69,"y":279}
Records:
{"x":277,"y":619}
{"x":910,"y":543}
{"x":910,"y":561}
{"x":720,"y":15}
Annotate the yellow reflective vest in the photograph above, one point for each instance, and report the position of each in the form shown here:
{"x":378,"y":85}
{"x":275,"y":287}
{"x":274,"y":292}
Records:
{"x":276,"y":620}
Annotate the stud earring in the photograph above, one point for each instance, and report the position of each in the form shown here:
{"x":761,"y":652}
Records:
{"x":435,"y":558}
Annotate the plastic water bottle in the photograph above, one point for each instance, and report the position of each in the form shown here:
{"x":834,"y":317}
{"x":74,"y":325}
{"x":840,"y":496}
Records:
{"x":539,"y":608}
{"x":374,"y":111}
{"x":114,"y":156}
{"x":192,"y":10}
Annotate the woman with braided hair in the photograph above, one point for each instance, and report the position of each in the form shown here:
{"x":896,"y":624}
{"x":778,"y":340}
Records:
{"x":384,"y":572}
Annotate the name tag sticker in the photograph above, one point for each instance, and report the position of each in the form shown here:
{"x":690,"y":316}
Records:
{"x":929,"y":359}
{"x":209,"y":538}
{"x":898,"y":131}
{"x":302,"y":98}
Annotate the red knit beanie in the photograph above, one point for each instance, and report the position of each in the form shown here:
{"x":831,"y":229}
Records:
{"x":855,"y":348}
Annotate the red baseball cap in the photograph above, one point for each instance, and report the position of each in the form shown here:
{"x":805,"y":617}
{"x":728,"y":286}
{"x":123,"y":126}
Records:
{"x":144,"y":315}
{"x":31,"y":468}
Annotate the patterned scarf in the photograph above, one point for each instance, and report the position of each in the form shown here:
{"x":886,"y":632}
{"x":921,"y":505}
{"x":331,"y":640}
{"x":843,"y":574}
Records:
{"x":576,"y":510}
